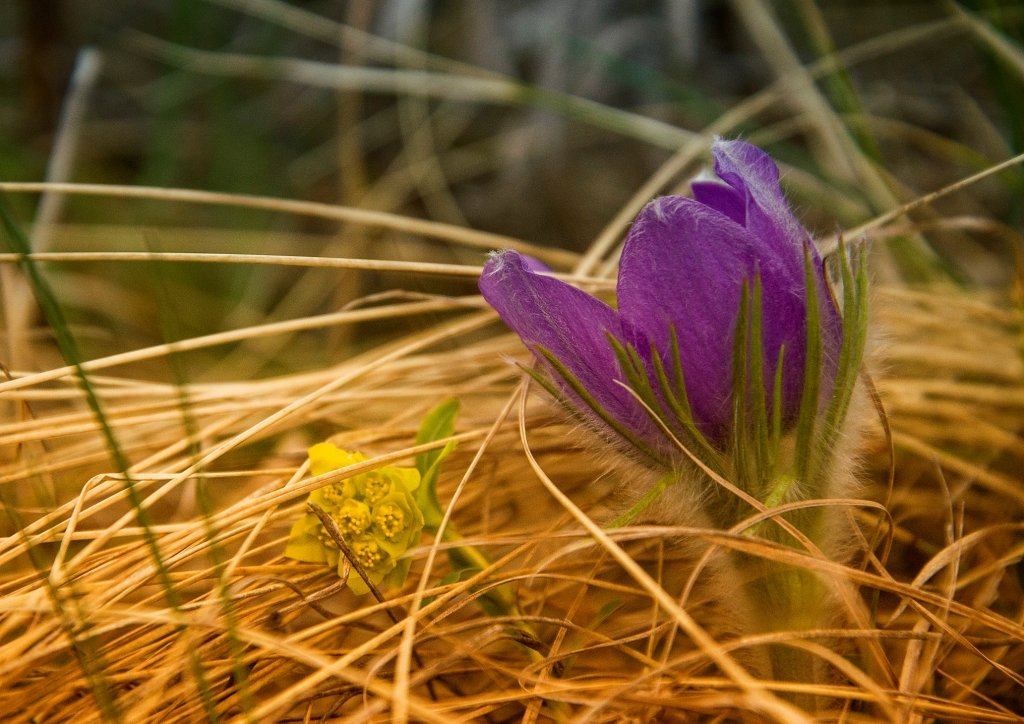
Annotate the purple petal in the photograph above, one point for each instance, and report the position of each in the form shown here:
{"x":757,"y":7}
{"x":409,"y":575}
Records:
{"x":571,"y":325}
{"x":722,"y":198}
{"x":753,"y":174}
{"x":684,"y":264}
{"x":534,"y":265}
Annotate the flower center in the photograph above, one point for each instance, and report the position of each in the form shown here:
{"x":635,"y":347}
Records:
{"x":353,"y":518}
{"x":368,"y":554}
{"x":333,"y":495}
{"x":375,"y":487}
{"x":389,"y":521}
{"x":325,"y":540}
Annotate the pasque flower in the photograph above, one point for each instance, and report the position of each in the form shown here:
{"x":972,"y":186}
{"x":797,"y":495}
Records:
{"x":726,"y":349}
{"x":700,"y":278}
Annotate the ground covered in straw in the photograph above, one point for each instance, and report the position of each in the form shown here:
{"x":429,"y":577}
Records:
{"x":89,"y":621}
{"x":170,"y":355}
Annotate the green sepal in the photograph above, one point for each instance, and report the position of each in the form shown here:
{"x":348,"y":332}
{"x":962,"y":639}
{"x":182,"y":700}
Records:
{"x":756,"y":432}
{"x":666,"y":480}
{"x":776,"y":422}
{"x":577,"y":387}
{"x":853,"y":270}
{"x":743,"y":464}
{"x":807,"y":419}
{"x":679,"y":402}
{"x":672,"y":406}
{"x":762,"y":438}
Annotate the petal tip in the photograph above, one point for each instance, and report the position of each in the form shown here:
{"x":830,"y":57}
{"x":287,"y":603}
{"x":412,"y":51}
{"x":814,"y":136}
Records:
{"x":662,"y":209}
{"x":498,"y":260}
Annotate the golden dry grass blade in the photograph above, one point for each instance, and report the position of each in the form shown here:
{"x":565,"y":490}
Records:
{"x":395,"y":222}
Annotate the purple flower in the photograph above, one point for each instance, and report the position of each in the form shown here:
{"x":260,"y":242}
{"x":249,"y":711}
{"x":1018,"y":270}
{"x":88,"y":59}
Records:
{"x":684,"y":266}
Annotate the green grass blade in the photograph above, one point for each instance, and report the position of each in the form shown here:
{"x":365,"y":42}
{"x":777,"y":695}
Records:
{"x":68,"y":347}
{"x":239,"y":669}
{"x":76,"y":626}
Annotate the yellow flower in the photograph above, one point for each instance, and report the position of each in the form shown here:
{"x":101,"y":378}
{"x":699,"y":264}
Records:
{"x":389,"y":521}
{"x":376,"y":514}
{"x":353,"y":518}
{"x":397,"y":522}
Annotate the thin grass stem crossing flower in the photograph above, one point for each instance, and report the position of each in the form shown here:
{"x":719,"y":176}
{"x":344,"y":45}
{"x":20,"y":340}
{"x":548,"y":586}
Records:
{"x":375,"y":511}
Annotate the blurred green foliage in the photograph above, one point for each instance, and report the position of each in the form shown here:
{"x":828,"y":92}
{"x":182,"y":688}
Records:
{"x":922,"y":97}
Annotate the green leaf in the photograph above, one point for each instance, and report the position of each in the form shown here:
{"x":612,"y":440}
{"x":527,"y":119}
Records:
{"x":426,"y":497}
{"x":438,"y":424}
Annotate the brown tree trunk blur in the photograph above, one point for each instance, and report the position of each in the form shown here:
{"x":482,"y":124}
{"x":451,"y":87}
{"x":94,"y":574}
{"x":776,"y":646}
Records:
{"x":44,"y":66}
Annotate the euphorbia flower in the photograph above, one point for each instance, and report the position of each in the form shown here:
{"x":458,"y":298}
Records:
{"x":376,"y":513}
{"x":684,"y":267}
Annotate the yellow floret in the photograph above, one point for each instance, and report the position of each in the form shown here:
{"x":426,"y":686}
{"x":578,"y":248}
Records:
{"x":353,"y":518}
{"x":389,"y":521}
{"x":368,"y":554}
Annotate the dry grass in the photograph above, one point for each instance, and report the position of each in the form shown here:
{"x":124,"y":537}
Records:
{"x":160,"y":593}
{"x":935,"y":631}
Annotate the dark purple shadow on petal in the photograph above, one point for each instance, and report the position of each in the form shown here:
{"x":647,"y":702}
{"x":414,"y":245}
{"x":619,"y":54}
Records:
{"x":721,"y":197}
{"x":571,"y":325}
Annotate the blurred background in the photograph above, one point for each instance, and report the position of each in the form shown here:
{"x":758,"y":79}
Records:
{"x":536,"y":119}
